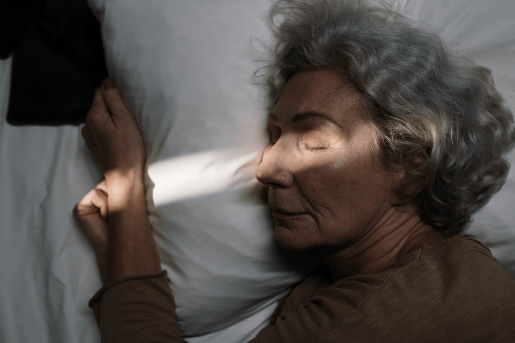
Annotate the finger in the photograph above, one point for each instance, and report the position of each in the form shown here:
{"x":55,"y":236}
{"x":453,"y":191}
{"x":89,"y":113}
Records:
{"x":93,"y":202}
{"x":102,"y":186}
{"x":98,"y":113}
{"x":95,"y":228}
{"x":98,"y":101}
{"x":100,"y":201}
{"x":113,"y":99}
{"x":88,"y":140}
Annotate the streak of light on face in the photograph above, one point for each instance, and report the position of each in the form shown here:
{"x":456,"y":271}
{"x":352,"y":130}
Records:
{"x":327,"y":187}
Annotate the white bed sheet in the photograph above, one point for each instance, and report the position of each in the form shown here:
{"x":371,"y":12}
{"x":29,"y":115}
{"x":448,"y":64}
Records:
{"x":47,"y":269}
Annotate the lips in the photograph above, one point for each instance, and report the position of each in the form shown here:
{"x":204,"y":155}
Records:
{"x":281,"y":214}
{"x":283,"y":204}
{"x":285,"y":212}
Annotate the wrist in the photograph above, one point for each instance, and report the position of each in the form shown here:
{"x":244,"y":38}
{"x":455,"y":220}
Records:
{"x":125,"y":188}
{"x":127,"y":176}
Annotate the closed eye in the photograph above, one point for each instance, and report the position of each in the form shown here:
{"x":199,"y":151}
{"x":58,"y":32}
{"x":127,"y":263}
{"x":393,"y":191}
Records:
{"x":315,"y":140}
{"x":315,"y":149}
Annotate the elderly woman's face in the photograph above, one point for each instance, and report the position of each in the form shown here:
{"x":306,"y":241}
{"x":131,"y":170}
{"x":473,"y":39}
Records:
{"x":326,"y":183}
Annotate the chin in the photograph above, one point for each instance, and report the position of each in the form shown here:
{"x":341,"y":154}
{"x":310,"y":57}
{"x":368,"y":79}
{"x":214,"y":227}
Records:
{"x":290,"y":240}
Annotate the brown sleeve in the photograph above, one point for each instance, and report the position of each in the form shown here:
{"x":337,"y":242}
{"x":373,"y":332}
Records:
{"x":137,"y":309}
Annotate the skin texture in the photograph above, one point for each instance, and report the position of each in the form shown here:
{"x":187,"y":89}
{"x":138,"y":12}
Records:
{"x":114,"y":215}
{"x":327,"y":188}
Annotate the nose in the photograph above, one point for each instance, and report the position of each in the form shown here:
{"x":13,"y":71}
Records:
{"x":275,"y":169}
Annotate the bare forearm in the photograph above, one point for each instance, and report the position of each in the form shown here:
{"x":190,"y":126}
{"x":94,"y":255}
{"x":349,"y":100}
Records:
{"x":131,"y":246}
{"x":136,"y":303}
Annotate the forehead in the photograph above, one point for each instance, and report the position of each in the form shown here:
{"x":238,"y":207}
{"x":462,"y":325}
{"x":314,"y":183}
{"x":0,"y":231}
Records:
{"x":319,"y":91}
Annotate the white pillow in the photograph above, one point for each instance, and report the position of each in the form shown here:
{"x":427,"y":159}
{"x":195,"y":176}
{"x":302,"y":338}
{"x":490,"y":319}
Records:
{"x":185,"y":69}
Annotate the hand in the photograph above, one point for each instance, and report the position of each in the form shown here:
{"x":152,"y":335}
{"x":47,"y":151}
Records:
{"x":112,"y":134}
{"x":116,"y":143}
{"x":92,"y":215}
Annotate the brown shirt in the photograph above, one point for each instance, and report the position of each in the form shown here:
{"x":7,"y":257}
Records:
{"x":449,"y":292}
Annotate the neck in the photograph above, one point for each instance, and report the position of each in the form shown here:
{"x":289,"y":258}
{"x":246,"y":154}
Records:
{"x":399,"y":232}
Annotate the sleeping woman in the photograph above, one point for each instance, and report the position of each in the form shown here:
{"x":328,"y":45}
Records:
{"x":382,"y":145}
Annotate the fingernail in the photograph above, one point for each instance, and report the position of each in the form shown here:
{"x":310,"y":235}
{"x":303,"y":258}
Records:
{"x":107,"y":84}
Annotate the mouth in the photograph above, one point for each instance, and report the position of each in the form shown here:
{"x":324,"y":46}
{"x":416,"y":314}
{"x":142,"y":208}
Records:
{"x":281,"y":211}
{"x":283,"y":214}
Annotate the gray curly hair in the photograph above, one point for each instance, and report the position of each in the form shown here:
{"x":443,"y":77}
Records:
{"x":437,"y":116}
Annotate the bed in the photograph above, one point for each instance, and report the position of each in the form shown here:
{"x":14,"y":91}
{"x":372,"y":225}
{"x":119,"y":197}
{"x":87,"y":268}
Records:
{"x":185,"y":70}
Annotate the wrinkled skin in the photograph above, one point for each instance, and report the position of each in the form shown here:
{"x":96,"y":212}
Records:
{"x":327,"y":187}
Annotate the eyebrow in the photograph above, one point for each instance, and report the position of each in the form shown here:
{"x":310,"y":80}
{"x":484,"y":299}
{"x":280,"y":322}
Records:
{"x":303,"y":116}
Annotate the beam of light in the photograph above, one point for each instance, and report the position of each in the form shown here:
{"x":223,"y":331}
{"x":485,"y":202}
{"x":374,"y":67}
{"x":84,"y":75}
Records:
{"x":203,"y":173}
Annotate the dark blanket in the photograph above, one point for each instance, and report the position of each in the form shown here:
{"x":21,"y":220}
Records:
{"x":58,"y":60}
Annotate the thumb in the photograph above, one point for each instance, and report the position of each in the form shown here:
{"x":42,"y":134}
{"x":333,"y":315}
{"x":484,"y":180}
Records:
{"x":91,"y":213}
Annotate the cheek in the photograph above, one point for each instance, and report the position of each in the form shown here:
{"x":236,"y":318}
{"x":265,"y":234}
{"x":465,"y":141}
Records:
{"x":339,"y":163}
{"x":342,"y":191}
{"x":338,"y":180}
{"x":329,"y":193}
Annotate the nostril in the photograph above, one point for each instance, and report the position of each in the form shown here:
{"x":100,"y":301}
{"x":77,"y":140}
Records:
{"x":273,"y":170}
{"x":276,"y":185}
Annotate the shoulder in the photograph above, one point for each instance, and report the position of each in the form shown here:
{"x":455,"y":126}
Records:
{"x":450,"y":292}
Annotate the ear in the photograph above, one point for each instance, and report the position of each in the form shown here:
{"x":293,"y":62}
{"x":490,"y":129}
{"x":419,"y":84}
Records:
{"x":407,"y":187}
{"x":397,"y":181}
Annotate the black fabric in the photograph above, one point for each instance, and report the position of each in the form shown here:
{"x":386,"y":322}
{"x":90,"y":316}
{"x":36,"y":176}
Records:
{"x":15,"y":18}
{"x":57,"y":66}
